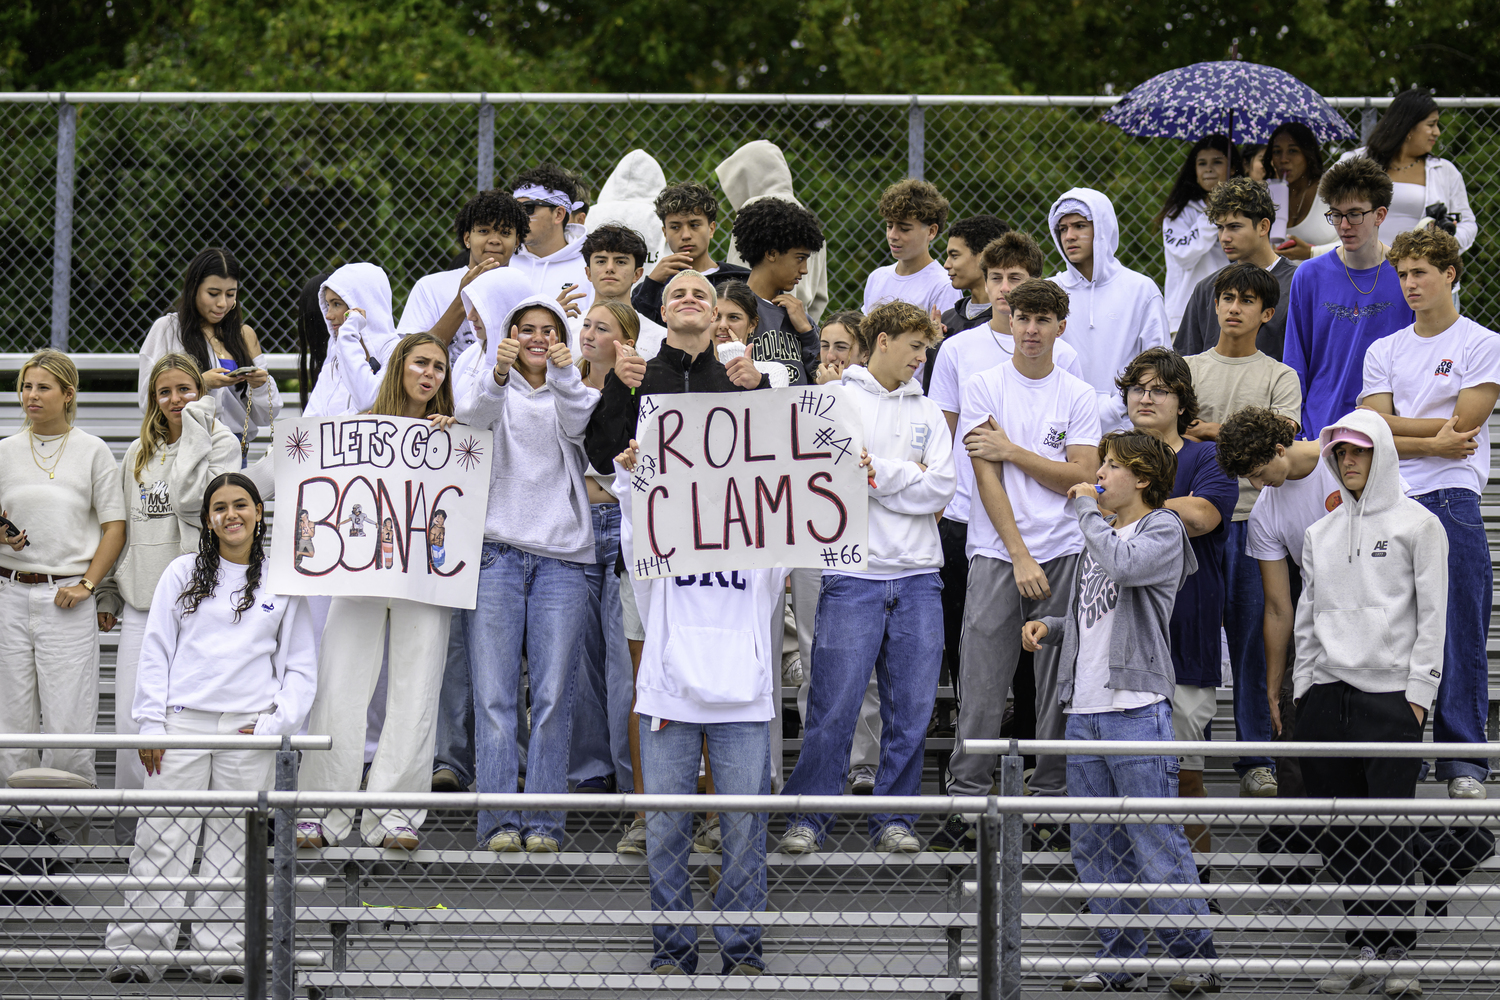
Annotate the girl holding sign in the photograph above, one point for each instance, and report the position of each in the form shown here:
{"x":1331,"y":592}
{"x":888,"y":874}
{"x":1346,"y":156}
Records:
{"x":538,"y":541}
{"x":220,"y":656}
{"x":415,"y":385}
{"x":181,"y":448}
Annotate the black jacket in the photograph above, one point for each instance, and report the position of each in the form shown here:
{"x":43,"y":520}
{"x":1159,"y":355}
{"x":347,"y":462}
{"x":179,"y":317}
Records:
{"x":613,"y":423}
{"x":956,"y":320}
{"x":646,"y":297}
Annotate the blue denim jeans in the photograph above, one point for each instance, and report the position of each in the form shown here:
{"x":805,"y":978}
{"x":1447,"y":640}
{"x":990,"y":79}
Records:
{"x":606,"y":679}
{"x":455,"y":719}
{"x":1134,"y":852}
{"x":539,"y":605}
{"x":896,"y":628}
{"x":739,"y":753}
{"x":1244,"y":621}
{"x":1463,"y":698}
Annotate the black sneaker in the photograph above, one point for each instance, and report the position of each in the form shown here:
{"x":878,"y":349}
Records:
{"x":1050,"y":837}
{"x":957,"y":834}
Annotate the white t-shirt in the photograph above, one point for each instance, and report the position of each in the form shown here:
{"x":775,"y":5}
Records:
{"x":927,"y":288}
{"x":1424,"y":376}
{"x":1045,"y":416}
{"x":1097,"y":597}
{"x":430,"y":297}
{"x":62,"y":514}
{"x":975,"y":350}
{"x":1282,"y":514}
{"x":1408,"y":207}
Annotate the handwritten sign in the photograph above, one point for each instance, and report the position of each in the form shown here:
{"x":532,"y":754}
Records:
{"x":379,"y":507}
{"x":748,"y":480}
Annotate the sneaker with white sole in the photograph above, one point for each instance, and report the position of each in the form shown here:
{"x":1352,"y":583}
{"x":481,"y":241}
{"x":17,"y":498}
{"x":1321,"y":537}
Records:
{"x":709,"y":839}
{"x":506,"y":842}
{"x":402,"y":838}
{"x":230,"y":975}
{"x":1401,"y":984}
{"x":1258,"y":783}
{"x":862,"y":780}
{"x":132,"y":974}
{"x":633,"y":840}
{"x":799,"y":840}
{"x":538,"y":844}
{"x":1096,"y":982}
{"x":897,"y":839}
{"x":1467,"y":788}
{"x":1350,"y":982}
{"x":1189,"y":984}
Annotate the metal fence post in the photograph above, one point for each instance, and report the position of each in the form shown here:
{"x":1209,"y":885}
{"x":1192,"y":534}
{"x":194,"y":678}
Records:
{"x":1367,"y":119}
{"x":916,"y":141}
{"x":486,"y":144}
{"x":284,"y":891}
{"x":987,"y":845}
{"x":255,"y":904}
{"x":1011,"y":832}
{"x":62,"y":223}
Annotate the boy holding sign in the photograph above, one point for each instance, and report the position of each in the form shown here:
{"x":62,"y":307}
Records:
{"x":889,"y":617}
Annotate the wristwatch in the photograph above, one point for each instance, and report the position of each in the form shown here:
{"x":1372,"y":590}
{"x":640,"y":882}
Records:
{"x":86,"y":584}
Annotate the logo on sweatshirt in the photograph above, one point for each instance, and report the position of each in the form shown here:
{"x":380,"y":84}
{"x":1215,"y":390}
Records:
{"x":1055,"y":438}
{"x":268,"y":607}
{"x":1382,"y":548}
{"x":919,"y":433}
{"x":1097,"y":593}
{"x":156,"y":502}
{"x":708,"y":580}
{"x":1444,"y":368}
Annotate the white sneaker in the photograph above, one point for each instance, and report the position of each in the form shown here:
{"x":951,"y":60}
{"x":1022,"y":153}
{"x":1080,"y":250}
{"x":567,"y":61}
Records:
{"x":799,"y":840}
{"x":1350,"y":982}
{"x":792,"y":673}
{"x":1094,"y":982}
{"x":1258,"y":783}
{"x":897,"y":839}
{"x":1467,"y":788}
{"x":862,"y":780}
{"x":1402,"y":984}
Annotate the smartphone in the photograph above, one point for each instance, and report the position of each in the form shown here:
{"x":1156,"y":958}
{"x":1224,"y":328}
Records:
{"x":1287,"y":245}
{"x":10,"y":529}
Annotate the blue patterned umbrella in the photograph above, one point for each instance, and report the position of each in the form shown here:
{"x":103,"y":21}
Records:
{"x":1244,"y":100}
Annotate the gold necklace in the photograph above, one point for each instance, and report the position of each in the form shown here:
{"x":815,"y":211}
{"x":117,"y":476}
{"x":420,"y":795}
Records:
{"x":57,"y":460}
{"x":1351,"y":277}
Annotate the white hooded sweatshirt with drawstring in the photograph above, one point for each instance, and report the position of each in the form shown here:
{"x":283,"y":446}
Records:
{"x":549,"y":274}
{"x":628,"y":199}
{"x":1374,"y":607}
{"x":347,"y":384}
{"x":1112,"y":318}
{"x":759,"y":170}
{"x":904,"y":430}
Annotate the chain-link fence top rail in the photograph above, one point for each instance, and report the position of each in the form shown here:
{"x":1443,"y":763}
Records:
{"x":296,"y":184}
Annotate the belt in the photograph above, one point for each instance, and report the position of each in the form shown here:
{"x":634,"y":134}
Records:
{"x":32,"y":578}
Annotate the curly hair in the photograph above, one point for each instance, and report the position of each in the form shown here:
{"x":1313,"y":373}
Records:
{"x":1307,"y":143}
{"x":914,"y":199}
{"x":1149,"y":457}
{"x":1037,"y":296}
{"x":691,"y":198}
{"x":1170,"y":368}
{"x":494,"y":208}
{"x":1014,"y":249}
{"x":1240,"y":196}
{"x":205,"y":579}
{"x":1248,"y":440}
{"x":775,"y":224}
{"x":615,"y":238}
{"x":552,"y":177}
{"x":1438,"y":246}
{"x":978,"y":231}
{"x":893,"y":319}
{"x":1186,"y":188}
{"x":1356,"y":179}
{"x":1247,"y":277}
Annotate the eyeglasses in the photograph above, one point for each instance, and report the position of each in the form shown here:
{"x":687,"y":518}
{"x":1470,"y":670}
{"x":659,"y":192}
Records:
{"x":1149,"y":392}
{"x":1355,"y":217}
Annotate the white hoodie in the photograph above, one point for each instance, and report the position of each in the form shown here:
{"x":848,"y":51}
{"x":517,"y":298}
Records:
{"x":1112,"y":318}
{"x":549,"y":274}
{"x":1374,"y":605}
{"x":346,"y":384}
{"x":628,"y":198}
{"x":759,"y":170}
{"x":903,"y":428}
{"x":708,"y":655}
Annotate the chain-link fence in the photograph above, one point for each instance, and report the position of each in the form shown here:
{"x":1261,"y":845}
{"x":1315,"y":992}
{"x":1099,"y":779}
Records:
{"x":107,"y":196}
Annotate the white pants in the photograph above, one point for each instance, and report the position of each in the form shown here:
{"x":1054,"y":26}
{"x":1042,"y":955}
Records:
{"x":128,"y":770}
{"x":49,"y":673}
{"x":865,"y":751}
{"x":164,"y":845}
{"x":348,"y":669}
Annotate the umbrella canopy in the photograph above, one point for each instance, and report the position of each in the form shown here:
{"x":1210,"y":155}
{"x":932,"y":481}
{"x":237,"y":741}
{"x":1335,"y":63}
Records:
{"x":1244,"y":100}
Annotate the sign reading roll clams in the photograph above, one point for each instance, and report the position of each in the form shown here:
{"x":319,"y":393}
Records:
{"x":376,"y":506}
{"x":748,"y":480}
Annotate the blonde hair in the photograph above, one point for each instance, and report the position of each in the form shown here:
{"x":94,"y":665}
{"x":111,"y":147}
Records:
{"x":630,"y":326}
{"x":59,"y":366}
{"x":154,"y":424}
{"x":392,"y":399}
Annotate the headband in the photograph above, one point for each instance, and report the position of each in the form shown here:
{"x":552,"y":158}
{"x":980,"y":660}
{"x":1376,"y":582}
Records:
{"x":547,"y":196}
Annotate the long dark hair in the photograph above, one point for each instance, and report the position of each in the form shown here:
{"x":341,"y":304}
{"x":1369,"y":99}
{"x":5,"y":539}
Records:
{"x":312,"y":336}
{"x":1406,"y":112}
{"x":1312,"y":150}
{"x":215,"y":262}
{"x":1186,"y":188}
{"x":206,"y":570}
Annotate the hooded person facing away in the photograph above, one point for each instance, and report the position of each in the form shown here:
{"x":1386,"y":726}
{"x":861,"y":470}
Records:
{"x":759,"y":170}
{"x":628,"y":198}
{"x":1114,"y":313}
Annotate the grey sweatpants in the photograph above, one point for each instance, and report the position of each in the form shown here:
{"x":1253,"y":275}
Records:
{"x":994,"y":612}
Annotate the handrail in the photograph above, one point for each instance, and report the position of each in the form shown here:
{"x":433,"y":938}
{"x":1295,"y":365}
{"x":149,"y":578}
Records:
{"x":111,"y":741}
{"x":1226,"y":748}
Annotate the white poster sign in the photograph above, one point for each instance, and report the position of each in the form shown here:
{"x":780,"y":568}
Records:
{"x":748,"y":480}
{"x":376,"y":506}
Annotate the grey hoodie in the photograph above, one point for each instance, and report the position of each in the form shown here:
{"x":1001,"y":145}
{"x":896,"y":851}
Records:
{"x":1150,"y":567}
{"x":1112,"y":318}
{"x":758,"y":170}
{"x":1374,"y":607}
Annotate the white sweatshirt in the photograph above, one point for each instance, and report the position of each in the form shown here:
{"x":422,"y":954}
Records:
{"x":165,"y":337}
{"x":430,"y":297}
{"x":708,"y":655}
{"x":758,"y":169}
{"x":1112,"y":318}
{"x":1192,"y":248}
{"x":346,"y":384}
{"x":903,"y":428}
{"x":538,"y":500}
{"x":266,"y":662}
{"x":547,"y":275}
